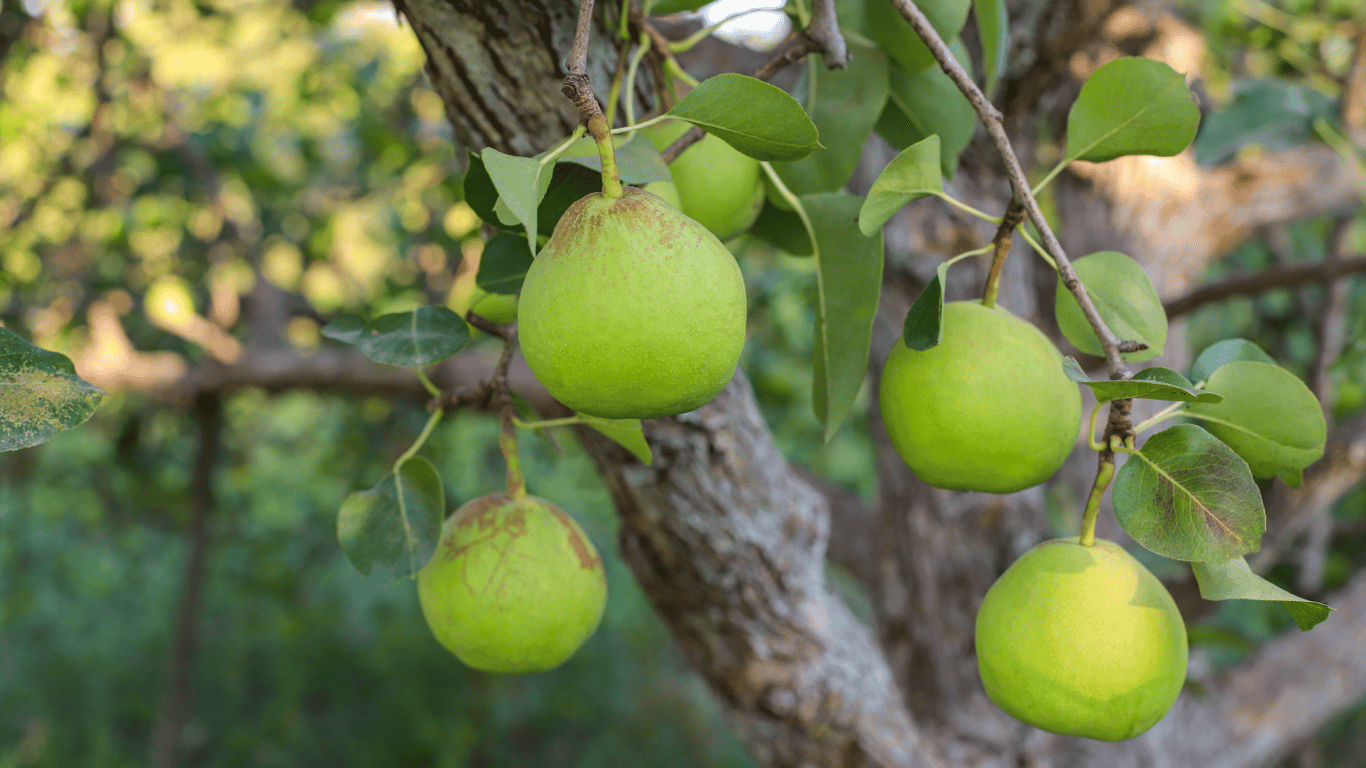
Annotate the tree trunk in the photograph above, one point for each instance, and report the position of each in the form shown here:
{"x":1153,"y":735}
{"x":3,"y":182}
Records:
{"x":729,"y":542}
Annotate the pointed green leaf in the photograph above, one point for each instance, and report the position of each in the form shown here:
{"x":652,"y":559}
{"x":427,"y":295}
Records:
{"x":782,"y":229}
{"x":1154,"y":383}
{"x":626,"y":432}
{"x":844,"y":104}
{"x":1234,"y":580}
{"x":993,"y":29}
{"x":40,"y":393}
{"x":1131,"y":106}
{"x":394,"y":526}
{"x":503,"y":264}
{"x":929,"y":104}
{"x":346,"y":329}
{"x":1269,"y":114}
{"x":758,"y":119}
{"x":1126,"y":300}
{"x":894,"y":34}
{"x":848,"y":281}
{"x":521,"y":183}
{"x":1222,"y":353}
{"x":481,"y":196}
{"x":1268,"y":416}
{"x":924,"y":326}
{"x":1188,"y":496}
{"x":420,"y":337}
{"x":911,"y":175}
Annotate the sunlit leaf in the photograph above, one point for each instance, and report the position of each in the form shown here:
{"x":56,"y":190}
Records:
{"x":758,"y":119}
{"x":40,"y":394}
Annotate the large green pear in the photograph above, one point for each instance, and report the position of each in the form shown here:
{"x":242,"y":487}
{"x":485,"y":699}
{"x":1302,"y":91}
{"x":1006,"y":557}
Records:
{"x":987,"y":409}
{"x":514,"y":586}
{"x":1082,"y":641}
{"x":717,"y":185}
{"x":632,"y":310}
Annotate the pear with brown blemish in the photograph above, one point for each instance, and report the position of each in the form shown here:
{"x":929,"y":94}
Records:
{"x":515,"y":586}
{"x":632,"y":310}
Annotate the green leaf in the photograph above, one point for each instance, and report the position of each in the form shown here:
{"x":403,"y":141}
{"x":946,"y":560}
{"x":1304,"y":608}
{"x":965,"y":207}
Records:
{"x":1222,"y":353}
{"x":40,"y":394}
{"x":1154,"y":383}
{"x":1131,"y":106}
{"x":638,"y":162}
{"x":848,"y":282}
{"x":911,"y":175}
{"x":1268,"y":416}
{"x":346,"y":329}
{"x":1234,"y":580}
{"x":626,"y":432}
{"x":894,"y":34}
{"x":503,"y":264}
{"x":993,"y":29}
{"x":1266,"y":113}
{"x":758,"y":119}
{"x":844,"y":104}
{"x":782,"y":229}
{"x":930,"y":104}
{"x":568,"y":184}
{"x":1187,"y":496}
{"x":416,"y":338}
{"x":521,"y":183}
{"x":1126,"y":300}
{"x":662,"y":7}
{"x":924,"y":326}
{"x":481,"y":196}
{"x":394,"y":526}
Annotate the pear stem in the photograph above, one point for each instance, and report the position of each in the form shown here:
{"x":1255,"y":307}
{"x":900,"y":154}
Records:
{"x":507,"y":445}
{"x":1104,"y":474}
{"x":602,"y":136}
{"x":1014,"y":214}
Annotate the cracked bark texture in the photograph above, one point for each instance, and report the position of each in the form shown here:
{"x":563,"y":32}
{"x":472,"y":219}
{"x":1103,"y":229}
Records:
{"x":729,"y":541}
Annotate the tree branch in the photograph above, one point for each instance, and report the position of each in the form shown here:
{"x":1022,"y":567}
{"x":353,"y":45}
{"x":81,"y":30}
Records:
{"x":175,"y":695}
{"x":1258,"y":282}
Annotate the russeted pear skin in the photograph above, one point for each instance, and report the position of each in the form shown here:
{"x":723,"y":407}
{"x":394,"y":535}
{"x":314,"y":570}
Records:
{"x":515,"y":586}
{"x":1082,"y":641}
{"x":988,"y":409}
{"x":632,"y":310}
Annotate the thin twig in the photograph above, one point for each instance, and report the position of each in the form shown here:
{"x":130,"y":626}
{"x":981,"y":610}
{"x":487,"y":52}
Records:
{"x":1019,"y":182}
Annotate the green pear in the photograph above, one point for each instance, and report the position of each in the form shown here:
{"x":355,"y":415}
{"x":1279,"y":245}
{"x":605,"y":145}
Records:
{"x":515,"y":585}
{"x":1082,"y":641}
{"x":632,"y":310}
{"x":988,"y":409}
{"x":717,"y":185}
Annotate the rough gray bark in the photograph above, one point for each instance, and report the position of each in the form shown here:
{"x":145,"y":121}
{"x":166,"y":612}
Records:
{"x":729,"y":543}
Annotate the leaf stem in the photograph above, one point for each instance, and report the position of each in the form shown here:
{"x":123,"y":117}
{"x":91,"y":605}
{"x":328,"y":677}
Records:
{"x":421,"y":439}
{"x":964,"y":207}
{"x":564,"y":422}
{"x":431,"y":388}
{"x":1161,"y":416}
{"x":1105,"y":473}
{"x":796,"y":204}
{"x":1091,"y":440}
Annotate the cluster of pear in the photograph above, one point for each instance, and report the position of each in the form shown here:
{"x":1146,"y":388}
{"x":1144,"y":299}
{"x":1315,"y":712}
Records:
{"x":632,"y":310}
{"x":1076,"y":639}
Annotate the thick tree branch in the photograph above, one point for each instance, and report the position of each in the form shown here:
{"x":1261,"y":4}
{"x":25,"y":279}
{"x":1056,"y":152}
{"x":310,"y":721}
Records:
{"x":729,"y":546}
